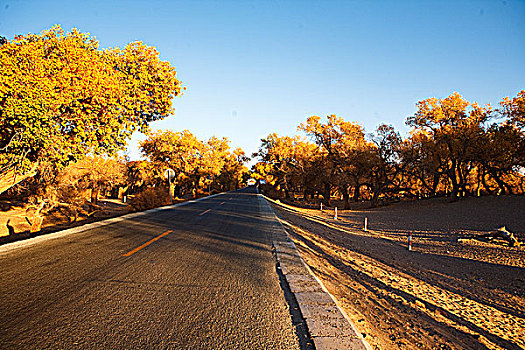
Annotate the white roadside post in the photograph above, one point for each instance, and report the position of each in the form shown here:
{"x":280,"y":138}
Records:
{"x":321,"y":206}
{"x":410,"y":241}
{"x":335,"y":216}
{"x":170,"y":175}
{"x":366,"y":224}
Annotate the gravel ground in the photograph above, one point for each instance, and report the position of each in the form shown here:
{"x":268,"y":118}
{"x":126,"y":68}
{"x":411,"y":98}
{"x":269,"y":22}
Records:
{"x":443,"y":294}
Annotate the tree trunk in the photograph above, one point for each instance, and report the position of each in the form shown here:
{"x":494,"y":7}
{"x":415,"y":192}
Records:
{"x":94,"y":195}
{"x":479,"y":183}
{"x":346,"y":198}
{"x":195,"y":189}
{"x":357,"y":192}
{"x":375,"y":198}
{"x":505,"y":188}
{"x":326,"y":194}
{"x":10,"y":178}
{"x":435,"y":183}
{"x":453,"y":179}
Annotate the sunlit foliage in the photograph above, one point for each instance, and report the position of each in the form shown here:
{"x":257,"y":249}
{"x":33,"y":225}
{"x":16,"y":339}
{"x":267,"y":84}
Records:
{"x":61,"y":98}
{"x":197,"y":164}
{"x":455,"y":148}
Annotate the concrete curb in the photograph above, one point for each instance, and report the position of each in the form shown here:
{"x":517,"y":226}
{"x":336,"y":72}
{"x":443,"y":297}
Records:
{"x":6,"y":248}
{"x":329,"y":326}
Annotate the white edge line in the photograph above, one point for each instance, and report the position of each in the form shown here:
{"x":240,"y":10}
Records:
{"x":345,"y":315}
{"x":6,"y":248}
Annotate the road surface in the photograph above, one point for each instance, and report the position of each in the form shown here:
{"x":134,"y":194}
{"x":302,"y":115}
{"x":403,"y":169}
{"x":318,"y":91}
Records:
{"x":206,"y":280}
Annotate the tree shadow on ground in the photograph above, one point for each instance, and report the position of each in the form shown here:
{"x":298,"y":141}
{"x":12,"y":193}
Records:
{"x":437,"y":275}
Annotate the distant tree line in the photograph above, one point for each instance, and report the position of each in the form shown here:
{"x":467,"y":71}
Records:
{"x":201,"y":167}
{"x":209,"y":165}
{"x":456,"y":148}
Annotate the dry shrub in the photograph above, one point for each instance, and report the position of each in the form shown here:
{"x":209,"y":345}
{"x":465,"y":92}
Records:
{"x":75,"y":189}
{"x":150,"y":198}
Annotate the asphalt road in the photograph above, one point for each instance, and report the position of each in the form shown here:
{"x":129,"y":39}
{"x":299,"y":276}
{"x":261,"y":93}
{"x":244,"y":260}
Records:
{"x":208,"y":283}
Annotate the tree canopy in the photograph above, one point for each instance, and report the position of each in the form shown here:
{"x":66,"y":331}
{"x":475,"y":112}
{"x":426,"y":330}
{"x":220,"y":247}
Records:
{"x":197,"y":163}
{"x":61,"y":97}
{"x":455,"y":148}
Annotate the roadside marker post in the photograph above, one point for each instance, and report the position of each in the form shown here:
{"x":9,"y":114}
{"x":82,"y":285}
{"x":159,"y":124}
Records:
{"x":410,"y":241}
{"x":335,"y":216}
{"x":321,"y":206}
{"x":366,"y":224}
{"x":170,"y":175}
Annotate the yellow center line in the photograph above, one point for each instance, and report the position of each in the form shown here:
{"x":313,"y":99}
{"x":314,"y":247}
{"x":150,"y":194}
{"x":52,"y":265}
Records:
{"x":131,"y":252}
{"x":204,"y":212}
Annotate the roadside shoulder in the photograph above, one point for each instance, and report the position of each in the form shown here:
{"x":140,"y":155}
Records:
{"x":329,"y":326}
{"x":29,"y":241}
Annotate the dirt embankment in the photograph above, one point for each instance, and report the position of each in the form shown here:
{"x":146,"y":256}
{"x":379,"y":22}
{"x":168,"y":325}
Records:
{"x":443,"y":294}
{"x":19,"y":218}
{"x":18,"y":215}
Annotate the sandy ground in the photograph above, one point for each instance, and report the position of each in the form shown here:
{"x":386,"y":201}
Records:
{"x":16,"y":213}
{"x":443,"y":294}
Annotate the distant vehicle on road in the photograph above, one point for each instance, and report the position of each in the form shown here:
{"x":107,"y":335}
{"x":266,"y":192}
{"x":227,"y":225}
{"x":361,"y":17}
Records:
{"x":251,"y":182}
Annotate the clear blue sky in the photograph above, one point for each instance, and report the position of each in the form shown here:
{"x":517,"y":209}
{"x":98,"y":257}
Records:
{"x":256,"y":67}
